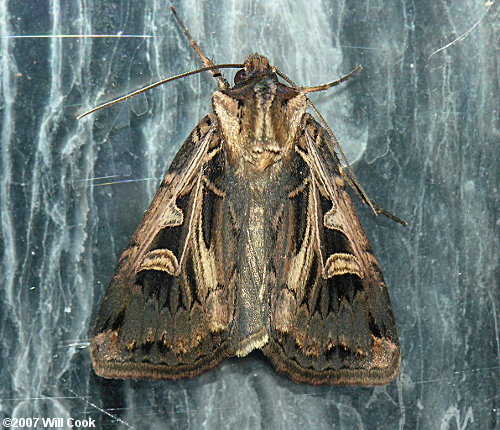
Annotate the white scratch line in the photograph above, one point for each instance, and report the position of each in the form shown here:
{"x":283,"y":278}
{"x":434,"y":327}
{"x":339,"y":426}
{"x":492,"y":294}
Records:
{"x":495,"y":320}
{"x":22,"y":399}
{"x":80,"y":345}
{"x":125,"y":181}
{"x":364,"y":47}
{"x":100,"y":409}
{"x":463,"y":36}
{"x":96,"y":178}
{"x":76,"y":36}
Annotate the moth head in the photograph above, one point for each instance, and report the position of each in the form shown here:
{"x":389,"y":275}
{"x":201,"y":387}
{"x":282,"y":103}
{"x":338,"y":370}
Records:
{"x":255,"y":65}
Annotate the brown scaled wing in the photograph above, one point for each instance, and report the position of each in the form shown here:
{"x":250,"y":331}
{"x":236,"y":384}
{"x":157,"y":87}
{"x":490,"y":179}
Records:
{"x":331,"y":319}
{"x":169,"y":306}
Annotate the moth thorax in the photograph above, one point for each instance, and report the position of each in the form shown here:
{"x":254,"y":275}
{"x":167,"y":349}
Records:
{"x":259,"y":125}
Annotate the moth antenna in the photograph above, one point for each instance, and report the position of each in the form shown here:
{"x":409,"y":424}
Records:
{"x":390,"y":215}
{"x":161,"y":82}
{"x":323,"y":87}
{"x":349,"y":172}
{"x":375,"y":207}
{"x":351,"y":177}
{"x":207,"y":62}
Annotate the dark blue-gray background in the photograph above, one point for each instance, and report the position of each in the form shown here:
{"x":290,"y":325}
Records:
{"x":420,"y":124}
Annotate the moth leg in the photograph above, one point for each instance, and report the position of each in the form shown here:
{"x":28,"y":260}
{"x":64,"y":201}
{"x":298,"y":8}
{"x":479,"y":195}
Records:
{"x":348,"y":173}
{"x":376,"y":207}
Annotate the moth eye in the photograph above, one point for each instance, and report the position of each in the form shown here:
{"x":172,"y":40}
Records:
{"x":239,"y":76}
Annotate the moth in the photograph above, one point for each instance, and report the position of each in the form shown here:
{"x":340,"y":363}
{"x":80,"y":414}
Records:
{"x":251,"y":242}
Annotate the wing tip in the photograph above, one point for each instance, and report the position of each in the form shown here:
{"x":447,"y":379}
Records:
{"x":367,"y":377}
{"x":111,"y":364}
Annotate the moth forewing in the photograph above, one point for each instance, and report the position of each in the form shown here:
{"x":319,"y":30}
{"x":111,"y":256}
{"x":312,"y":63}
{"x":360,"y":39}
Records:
{"x":157,"y":321}
{"x":251,"y":242}
{"x":340,"y":328}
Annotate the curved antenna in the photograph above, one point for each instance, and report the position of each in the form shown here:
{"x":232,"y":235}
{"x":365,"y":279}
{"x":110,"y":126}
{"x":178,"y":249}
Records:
{"x":349,"y":172}
{"x":161,"y":82}
{"x":323,"y":87}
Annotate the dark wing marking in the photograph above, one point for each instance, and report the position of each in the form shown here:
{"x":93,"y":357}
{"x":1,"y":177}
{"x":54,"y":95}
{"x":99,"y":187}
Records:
{"x":170,"y":303}
{"x":331,"y":319}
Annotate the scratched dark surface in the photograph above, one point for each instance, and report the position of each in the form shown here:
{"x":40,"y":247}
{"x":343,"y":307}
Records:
{"x":420,"y":124}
